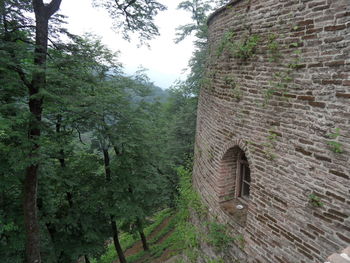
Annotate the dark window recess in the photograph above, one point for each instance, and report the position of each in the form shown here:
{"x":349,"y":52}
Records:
{"x":244,"y":177}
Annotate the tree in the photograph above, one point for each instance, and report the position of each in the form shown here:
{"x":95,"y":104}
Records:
{"x":42,"y":15}
{"x":76,"y":70}
{"x":137,"y":17}
{"x":199,"y":10}
{"x":131,"y":16}
{"x":112,"y":128}
{"x":179,"y":112}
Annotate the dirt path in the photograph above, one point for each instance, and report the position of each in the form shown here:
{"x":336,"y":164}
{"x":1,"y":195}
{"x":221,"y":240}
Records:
{"x":167,"y":254}
{"x":137,"y":247}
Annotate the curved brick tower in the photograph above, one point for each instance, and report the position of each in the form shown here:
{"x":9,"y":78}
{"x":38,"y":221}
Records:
{"x":273,"y":128}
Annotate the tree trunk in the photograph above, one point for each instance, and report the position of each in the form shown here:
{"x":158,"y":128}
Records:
{"x":140,"y":226}
{"x":42,"y":16}
{"x":62,"y":159}
{"x":86,"y":259}
{"x":107,"y":165}
{"x":115,"y":233}
{"x":30,"y":216}
{"x":144,"y":240}
{"x":117,"y":245}
{"x":142,"y":234}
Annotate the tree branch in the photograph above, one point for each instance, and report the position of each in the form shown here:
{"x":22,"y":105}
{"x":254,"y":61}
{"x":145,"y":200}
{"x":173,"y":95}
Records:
{"x":22,"y":75}
{"x":19,"y":27}
{"x":53,"y":7}
{"x":54,"y":44}
{"x":37,"y":5}
{"x":79,"y":135}
{"x":129,"y":4}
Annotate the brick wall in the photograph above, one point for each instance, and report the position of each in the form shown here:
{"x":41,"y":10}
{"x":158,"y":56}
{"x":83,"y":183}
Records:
{"x":279,"y":102}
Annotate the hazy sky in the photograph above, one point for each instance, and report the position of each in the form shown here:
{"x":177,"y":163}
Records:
{"x":164,"y":60}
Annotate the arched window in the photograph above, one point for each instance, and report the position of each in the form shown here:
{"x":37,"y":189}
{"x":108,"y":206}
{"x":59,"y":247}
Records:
{"x":243,"y":177}
{"x":235,"y":184}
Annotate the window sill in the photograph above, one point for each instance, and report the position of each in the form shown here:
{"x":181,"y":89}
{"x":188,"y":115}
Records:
{"x":230,"y":208}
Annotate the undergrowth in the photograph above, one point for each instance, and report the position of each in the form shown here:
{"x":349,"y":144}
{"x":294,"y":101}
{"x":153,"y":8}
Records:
{"x":183,"y":237}
{"x":187,"y":236}
{"x":127,"y":240}
{"x":218,"y":236}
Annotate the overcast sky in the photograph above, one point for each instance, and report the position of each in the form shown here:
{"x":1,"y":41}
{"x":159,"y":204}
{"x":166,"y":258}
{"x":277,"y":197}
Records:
{"x":165,"y":60}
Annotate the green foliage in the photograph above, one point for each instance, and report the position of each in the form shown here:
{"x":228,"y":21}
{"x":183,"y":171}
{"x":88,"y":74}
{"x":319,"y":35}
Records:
{"x":127,"y":240}
{"x":281,"y":80}
{"x":185,"y":238}
{"x":90,"y":110}
{"x":243,"y":49}
{"x":88,"y":106}
{"x":215,"y":261}
{"x":336,"y":146}
{"x":295,"y":64}
{"x":158,"y":249}
{"x":218,"y":236}
{"x":198,"y":10}
{"x":269,"y":145}
{"x":226,"y":43}
{"x":137,"y":256}
{"x":247,"y":48}
{"x":164,"y":231}
{"x":315,"y":200}
{"x":240,"y":240}
{"x":187,"y":196}
{"x":279,"y":84}
{"x":273,"y":48}
{"x":157,"y":219}
{"x":75,"y":203}
{"x":234,"y":87}
{"x":109,"y":256}
{"x":237,"y":93}
{"x":135,"y":17}
{"x":272,"y":135}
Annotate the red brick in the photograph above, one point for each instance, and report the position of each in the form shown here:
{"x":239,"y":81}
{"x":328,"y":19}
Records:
{"x":334,"y":28}
{"x":305,"y":105}
{"x":343,"y":95}
{"x":317,"y":104}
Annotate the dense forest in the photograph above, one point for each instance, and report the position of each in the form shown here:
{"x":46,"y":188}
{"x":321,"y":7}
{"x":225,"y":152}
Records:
{"x":86,"y":151}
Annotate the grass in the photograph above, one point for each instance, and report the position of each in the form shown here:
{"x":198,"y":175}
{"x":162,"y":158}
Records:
{"x":127,"y":240}
{"x":182,"y":236}
{"x":156,"y":250}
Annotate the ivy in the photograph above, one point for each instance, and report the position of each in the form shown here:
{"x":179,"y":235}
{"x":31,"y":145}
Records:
{"x":225,"y":43}
{"x":336,"y":146}
{"x":243,"y":49}
{"x":279,"y":84}
{"x":236,"y":91}
{"x":247,"y":48}
{"x":315,"y":200}
{"x":273,"y":48}
{"x":269,"y":145}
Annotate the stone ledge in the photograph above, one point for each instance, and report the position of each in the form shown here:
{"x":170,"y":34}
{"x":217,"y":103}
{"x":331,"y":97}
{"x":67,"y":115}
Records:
{"x":343,"y":257}
{"x":230,"y":208}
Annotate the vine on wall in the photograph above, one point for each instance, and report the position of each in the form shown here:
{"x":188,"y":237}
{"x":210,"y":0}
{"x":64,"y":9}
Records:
{"x":241,"y":49}
{"x":335,"y":145}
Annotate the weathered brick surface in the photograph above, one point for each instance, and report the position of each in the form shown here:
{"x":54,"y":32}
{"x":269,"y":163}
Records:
{"x":342,"y":257}
{"x":281,"y":223}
